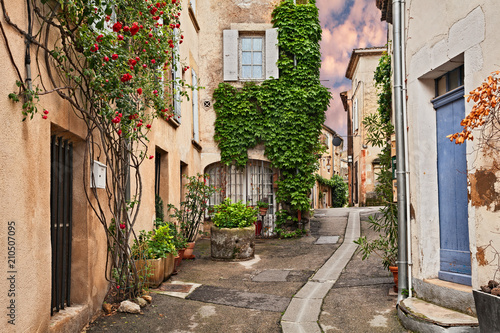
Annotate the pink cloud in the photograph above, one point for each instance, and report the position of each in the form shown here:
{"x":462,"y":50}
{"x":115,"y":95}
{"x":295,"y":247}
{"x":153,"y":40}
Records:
{"x":359,"y":27}
{"x":329,"y":6}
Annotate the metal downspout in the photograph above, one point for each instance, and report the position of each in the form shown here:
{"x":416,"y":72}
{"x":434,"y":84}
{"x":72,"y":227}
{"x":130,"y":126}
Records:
{"x":400,"y":147}
{"x":407,"y":160}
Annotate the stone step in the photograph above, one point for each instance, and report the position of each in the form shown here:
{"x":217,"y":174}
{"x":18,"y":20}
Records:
{"x":421,"y":316}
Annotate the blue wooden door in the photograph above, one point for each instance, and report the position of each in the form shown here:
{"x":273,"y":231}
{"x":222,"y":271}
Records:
{"x":452,"y":189}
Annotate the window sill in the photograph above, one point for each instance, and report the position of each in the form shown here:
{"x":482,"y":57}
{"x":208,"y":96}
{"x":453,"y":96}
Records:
{"x":196,"y":145}
{"x":172,"y":122}
{"x":193,"y":18}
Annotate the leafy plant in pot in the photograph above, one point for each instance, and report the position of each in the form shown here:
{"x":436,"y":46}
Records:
{"x":263,"y":206}
{"x":149,"y":251}
{"x":191,"y":213}
{"x":233,"y":233}
{"x":386,"y":245}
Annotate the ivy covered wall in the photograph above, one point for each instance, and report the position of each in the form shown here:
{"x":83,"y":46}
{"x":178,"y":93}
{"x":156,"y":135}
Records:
{"x":284,"y":114}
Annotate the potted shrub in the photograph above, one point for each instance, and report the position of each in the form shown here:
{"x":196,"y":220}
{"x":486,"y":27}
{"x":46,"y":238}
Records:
{"x":191,"y":213}
{"x":263,"y":206}
{"x":386,"y":245}
{"x":233,"y":233}
{"x":148,"y":261}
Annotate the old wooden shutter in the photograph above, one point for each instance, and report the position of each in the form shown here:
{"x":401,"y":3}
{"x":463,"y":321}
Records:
{"x":272,"y":53}
{"x":230,"y":59}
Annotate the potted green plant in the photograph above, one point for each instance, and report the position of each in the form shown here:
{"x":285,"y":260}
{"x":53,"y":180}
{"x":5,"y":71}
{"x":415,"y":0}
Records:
{"x":149,"y":264}
{"x":232,"y":236}
{"x":263,"y":206}
{"x":191,"y":213}
{"x":386,"y":245}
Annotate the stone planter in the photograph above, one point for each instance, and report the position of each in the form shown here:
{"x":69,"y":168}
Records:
{"x":232,"y":243}
{"x":151,"y":270}
{"x":487,"y":310}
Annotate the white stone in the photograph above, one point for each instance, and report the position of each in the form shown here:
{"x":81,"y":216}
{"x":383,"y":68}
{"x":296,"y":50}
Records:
{"x":129,"y":307}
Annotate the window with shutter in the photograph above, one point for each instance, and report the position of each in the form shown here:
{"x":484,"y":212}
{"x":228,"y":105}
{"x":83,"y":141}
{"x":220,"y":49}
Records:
{"x":355,"y":124}
{"x":196,"y":130}
{"x":176,"y":87}
{"x":250,"y":57}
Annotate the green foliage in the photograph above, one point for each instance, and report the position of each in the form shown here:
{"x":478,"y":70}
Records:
{"x":285,"y":114}
{"x":262,"y":204}
{"x":192,"y":209}
{"x":340,"y":189}
{"x":283,"y":217}
{"x":234,"y":215}
{"x":153,"y":244}
{"x":379,"y":130}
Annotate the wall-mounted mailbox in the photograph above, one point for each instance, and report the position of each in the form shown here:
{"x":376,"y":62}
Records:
{"x":98,"y":180}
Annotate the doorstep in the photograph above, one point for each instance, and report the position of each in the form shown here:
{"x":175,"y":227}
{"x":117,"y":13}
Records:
{"x":421,"y":316}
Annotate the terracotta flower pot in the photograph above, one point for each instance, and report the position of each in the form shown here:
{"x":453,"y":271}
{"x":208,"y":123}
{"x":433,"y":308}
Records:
{"x":394,"y":271}
{"x":188,"y":253}
{"x":263,"y":210}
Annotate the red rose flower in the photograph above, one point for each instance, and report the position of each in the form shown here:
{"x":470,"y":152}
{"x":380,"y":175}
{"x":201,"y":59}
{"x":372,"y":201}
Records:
{"x":44,"y":116}
{"x":126,"y":77}
{"x":134,"y":28}
{"x":132,"y":62}
{"x":119,"y":37}
{"x":119,"y":132}
{"x":151,"y":157}
{"x":122,"y":226}
{"x":126,"y":28}
{"x":106,"y":58}
{"x":153,"y":61}
{"x":46,"y":111}
{"x":114,"y":56}
{"x":117,"y":27}
{"x":148,"y":126}
{"x":139,"y":91}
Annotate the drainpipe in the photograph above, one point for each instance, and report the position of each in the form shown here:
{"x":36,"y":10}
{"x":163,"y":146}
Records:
{"x":398,"y":12}
{"x":407,"y":159}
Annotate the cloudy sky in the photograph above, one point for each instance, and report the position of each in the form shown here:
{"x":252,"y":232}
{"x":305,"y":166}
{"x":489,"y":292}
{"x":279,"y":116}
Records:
{"x":347,"y":25}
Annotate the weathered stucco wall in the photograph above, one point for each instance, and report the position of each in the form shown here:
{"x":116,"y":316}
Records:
{"x":216,"y":16}
{"x":365,"y":92}
{"x":465,"y":35}
{"x":25,"y":181}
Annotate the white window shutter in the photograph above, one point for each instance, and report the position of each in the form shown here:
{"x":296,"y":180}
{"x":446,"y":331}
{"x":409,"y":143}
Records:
{"x":196,"y":130}
{"x":177,"y":71}
{"x":355,"y":115}
{"x":272,"y":53}
{"x":230,"y":48}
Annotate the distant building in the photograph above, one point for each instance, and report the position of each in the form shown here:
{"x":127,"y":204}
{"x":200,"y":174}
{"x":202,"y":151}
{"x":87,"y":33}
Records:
{"x":329,"y":165}
{"x":360,"y":101}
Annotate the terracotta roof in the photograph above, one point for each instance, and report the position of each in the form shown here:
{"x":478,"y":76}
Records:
{"x":385,"y":7}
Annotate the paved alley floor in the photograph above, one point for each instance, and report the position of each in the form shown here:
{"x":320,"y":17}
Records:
{"x":252,"y":296}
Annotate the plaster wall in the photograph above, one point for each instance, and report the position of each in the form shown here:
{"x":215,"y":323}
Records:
{"x":466,"y":34}
{"x":25,"y":182}
{"x":365,"y":92}
{"x":216,"y":16}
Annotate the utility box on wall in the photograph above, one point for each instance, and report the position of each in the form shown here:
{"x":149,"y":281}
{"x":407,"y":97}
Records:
{"x":98,"y":175}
